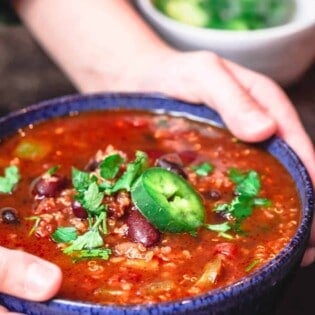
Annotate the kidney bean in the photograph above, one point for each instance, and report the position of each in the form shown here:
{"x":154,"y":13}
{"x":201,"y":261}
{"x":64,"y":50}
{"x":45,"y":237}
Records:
{"x":9,"y":216}
{"x":50,"y":186}
{"x":140,"y":230}
{"x":91,"y":166}
{"x":78,"y":210}
{"x":167,"y":162}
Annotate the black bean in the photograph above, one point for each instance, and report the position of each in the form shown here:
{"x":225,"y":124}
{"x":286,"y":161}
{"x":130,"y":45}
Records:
{"x":175,"y":167}
{"x":78,"y":210}
{"x":9,"y":216}
{"x":50,"y":186}
{"x":140,"y":230}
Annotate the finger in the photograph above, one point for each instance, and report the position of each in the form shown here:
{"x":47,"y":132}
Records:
{"x":26,"y":276}
{"x":241,"y":112}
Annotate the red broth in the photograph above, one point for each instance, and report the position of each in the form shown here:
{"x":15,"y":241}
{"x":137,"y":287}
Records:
{"x":165,"y":266}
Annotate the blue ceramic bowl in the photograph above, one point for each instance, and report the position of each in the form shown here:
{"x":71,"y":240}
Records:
{"x":254,"y":294}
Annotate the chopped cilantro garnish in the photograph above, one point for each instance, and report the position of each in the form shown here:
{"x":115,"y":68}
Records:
{"x":64,"y":234}
{"x":82,"y":180}
{"x":246,"y":184}
{"x":10,"y":179}
{"x":134,"y":169}
{"x":92,"y":199}
{"x":90,"y":240}
{"x":241,"y":207}
{"x":263,"y":202}
{"x":247,"y":189}
{"x":236,"y":176}
{"x":203,"y":169}
{"x":110,"y":166}
{"x":89,"y":193}
{"x":222,"y":227}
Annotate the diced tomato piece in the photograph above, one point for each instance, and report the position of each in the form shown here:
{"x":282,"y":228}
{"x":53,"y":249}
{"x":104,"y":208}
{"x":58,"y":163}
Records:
{"x":227,"y":249}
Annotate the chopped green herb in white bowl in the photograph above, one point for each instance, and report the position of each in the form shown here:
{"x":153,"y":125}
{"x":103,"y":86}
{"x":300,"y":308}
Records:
{"x":284,"y":50}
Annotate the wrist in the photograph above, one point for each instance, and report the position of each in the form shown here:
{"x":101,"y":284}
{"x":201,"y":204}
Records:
{"x":120,"y":74}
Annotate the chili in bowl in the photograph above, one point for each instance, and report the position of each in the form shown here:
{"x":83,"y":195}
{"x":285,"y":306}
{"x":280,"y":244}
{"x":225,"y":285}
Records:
{"x":150,"y":206}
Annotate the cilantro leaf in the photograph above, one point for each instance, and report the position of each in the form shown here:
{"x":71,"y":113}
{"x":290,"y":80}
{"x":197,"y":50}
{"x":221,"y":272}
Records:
{"x":134,"y":169}
{"x":89,"y":193}
{"x":224,"y":207}
{"x":235,"y":175}
{"x":10,"y":179}
{"x":64,"y":234}
{"x":222,"y":227}
{"x":82,"y":180}
{"x":203,"y":169}
{"x":250,"y":186}
{"x":247,"y":188}
{"x":246,"y":184}
{"x":263,"y":202}
{"x":110,"y":166}
{"x":92,"y":199}
{"x":241,"y":207}
{"x":90,"y":239}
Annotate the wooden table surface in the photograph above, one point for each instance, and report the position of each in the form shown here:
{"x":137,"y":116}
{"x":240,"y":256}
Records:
{"x":28,"y":76}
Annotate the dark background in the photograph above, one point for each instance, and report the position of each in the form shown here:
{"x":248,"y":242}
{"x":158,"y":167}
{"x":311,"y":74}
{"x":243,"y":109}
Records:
{"x":28,"y":76}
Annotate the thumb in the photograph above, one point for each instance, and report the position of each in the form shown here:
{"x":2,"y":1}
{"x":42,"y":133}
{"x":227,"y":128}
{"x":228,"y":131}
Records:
{"x":27,"y":276}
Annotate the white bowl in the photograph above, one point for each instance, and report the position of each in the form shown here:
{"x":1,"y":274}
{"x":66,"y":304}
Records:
{"x":284,"y":52}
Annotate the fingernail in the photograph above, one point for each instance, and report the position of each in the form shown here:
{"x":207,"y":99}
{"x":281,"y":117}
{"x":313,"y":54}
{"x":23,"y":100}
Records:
{"x":38,"y":277}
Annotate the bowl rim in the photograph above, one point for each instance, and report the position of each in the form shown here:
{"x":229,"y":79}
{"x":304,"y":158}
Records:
{"x":65,"y":105}
{"x":283,"y":30}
